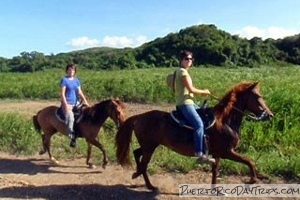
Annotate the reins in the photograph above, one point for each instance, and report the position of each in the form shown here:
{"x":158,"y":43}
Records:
{"x":250,"y":116}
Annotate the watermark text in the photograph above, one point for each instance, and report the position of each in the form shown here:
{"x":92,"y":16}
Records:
{"x":239,"y":190}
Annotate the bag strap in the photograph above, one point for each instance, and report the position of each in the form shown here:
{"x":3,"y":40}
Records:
{"x":173,"y":83}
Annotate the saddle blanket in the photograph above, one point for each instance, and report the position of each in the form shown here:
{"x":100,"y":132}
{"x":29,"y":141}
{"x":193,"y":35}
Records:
{"x":61,"y":116}
{"x":206,"y":115}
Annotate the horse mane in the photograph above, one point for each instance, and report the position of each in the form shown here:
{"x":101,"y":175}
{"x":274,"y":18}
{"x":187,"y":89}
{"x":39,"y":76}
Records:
{"x":226,"y":104}
{"x":98,"y":110}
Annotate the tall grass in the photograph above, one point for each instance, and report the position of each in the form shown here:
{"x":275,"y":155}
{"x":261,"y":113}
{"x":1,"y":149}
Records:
{"x":16,"y":134}
{"x":273,"y":145}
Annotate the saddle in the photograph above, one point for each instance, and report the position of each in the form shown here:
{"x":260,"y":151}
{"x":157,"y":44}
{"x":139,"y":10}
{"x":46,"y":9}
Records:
{"x":77,"y":110}
{"x":205,"y":113}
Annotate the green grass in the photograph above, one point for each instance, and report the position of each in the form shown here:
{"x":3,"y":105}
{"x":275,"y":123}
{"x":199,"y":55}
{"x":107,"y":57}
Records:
{"x":17,"y":134}
{"x":274,"y":145}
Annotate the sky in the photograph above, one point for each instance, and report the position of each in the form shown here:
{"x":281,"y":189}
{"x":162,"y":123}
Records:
{"x":60,"y":26}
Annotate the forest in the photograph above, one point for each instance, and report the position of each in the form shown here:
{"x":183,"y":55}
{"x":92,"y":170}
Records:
{"x":211,"y":46}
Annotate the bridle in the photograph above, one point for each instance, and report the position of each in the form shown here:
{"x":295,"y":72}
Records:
{"x":249,"y":116}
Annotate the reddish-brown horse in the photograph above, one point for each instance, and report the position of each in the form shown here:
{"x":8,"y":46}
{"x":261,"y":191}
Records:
{"x":89,"y":126}
{"x":156,"y":128}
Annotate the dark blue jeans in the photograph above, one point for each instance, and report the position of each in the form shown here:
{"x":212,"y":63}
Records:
{"x":190,"y":113}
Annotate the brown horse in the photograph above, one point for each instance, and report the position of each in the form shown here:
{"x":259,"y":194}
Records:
{"x":156,"y":128}
{"x":89,"y":126}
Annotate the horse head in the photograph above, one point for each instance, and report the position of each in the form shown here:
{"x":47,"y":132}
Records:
{"x":254,"y":103}
{"x":242,"y":97}
{"x":113,"y":108}
{"x":116,"y":111}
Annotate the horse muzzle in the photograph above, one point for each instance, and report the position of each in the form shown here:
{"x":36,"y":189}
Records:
{"x":264,"y":116}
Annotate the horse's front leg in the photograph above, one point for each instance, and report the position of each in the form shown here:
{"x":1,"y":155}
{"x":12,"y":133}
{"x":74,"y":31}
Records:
{"x":215,"y":169}
{"x":243,"y":159}
{"x":101,"y":147}
{"x":88,"y":157}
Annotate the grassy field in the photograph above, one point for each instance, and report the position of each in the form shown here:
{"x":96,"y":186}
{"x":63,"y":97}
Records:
{"x":273,"y":145}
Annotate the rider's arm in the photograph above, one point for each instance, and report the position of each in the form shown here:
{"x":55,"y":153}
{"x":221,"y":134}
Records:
{"x":187,"y":81}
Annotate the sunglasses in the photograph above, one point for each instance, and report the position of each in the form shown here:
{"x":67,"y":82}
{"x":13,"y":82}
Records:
{"x":187,"y":58}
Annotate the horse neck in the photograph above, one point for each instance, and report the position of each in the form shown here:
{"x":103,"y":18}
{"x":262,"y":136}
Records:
{"x":235,"y":122}
{"x":100,"y":115}
{"x":231,"y":114}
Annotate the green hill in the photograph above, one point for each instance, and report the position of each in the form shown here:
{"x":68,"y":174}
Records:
{"x":210,"y":45}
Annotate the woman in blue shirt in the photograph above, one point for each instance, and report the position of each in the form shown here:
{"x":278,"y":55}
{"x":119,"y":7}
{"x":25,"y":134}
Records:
{"x":70,"y":92}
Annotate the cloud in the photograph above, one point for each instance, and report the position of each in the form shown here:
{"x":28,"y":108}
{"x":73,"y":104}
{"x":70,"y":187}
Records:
{"x":107,"y":41}
{"x":270,"y":32}
{"x":116,"y":41}
{"x":141,"y":40}
{"x":83,"y":42}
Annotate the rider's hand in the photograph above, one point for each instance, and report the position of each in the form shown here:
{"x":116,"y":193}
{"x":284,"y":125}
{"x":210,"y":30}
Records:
{"x":206,"y":92}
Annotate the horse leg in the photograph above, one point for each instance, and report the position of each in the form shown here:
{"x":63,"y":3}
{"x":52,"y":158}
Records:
{"x":243,"y":159}
{"x":46,"y":145}
{"x":101,"y":147}
{"x":137,"y":157}
{"x":143,"y":164}
{"x":88,"y":157}
{"x":215,"y":168}
{"x":43,"y":150}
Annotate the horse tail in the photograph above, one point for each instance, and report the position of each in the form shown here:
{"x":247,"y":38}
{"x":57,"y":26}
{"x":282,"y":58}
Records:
{"x":123,"y":139}
{"x":36,"y":124}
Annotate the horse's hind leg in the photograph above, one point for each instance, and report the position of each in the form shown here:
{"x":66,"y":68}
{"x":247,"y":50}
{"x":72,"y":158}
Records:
{"x":137,"y":157}
{"x":143,"y":164}
{"x":46,"y":145}
{"x":44,"y":149}
{"x":243,"y":159}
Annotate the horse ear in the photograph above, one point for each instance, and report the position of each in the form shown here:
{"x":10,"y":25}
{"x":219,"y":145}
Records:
{"x":252,"y":86}
{"x":117,"y":101}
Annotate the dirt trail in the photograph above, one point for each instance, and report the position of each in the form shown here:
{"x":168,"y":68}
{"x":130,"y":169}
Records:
{"x":34,"y":177}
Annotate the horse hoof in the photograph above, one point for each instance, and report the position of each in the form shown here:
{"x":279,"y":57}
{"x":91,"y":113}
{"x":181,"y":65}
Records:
{"x":42,"y":152}
{"x":104,"y":165}
{"x":54,"y":161}
{"x":151,"y":187}
{"x":92,"y":166}
{"x":135,"y":175}
{"x":252,"y":181}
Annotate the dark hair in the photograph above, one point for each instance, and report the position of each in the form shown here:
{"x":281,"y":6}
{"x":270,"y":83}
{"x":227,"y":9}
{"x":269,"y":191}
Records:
{"x":73,"y":66}
{"x":184,"y":54}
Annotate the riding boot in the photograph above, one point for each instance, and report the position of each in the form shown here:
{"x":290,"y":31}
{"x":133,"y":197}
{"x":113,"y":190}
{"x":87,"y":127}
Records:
{"x":205,"y":159}
{"x":73,"y":143}
{"x":72,"y":136}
